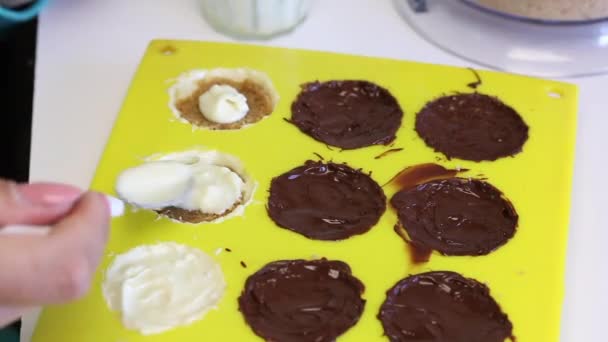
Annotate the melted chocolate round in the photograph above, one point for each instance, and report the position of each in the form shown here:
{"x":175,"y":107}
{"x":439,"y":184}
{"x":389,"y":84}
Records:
{"x":472,"y":126}
{"x":299,"y":300}
{"x":443,"y":307}
{"x":347,"y":114}
{"x":325,"y":201}
{"x":456,"y":216}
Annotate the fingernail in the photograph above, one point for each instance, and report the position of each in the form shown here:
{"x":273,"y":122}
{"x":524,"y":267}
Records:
{"x":48,"y":193}
{"x":117,"y":207}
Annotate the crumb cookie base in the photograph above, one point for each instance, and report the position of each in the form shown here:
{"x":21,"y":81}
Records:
{"x":259,"y":101}
{"x":195,"y":216}
{"x":213,"y":157}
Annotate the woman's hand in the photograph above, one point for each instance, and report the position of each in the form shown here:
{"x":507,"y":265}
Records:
{"x":58,"y":267}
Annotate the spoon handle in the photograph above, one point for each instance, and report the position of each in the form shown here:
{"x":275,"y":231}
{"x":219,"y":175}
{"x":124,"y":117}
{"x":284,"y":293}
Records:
{"x":117,"y":208}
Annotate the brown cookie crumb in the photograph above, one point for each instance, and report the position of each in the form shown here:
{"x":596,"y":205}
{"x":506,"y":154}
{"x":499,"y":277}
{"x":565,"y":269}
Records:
{"x":194,"y":216}
{"x":259,"y":101}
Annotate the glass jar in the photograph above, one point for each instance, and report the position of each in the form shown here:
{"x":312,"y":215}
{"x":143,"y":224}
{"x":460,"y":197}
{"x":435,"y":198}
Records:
{"x":255,"y":19}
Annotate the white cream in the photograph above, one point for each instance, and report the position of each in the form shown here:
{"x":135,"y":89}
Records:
{"x":155,"y":185}
{"x":208,"y":181}
{"x":159,"y":287}
{"x":215,"y":190}
{"x":223,"y":104}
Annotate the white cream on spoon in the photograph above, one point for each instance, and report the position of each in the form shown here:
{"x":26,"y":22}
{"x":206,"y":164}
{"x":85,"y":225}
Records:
{"x":155,"y":185}
{"x":195,"y":181}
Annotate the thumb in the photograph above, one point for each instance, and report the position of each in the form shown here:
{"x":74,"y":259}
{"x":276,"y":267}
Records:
{"x":57,"y":267}
{"x":39,"y":203}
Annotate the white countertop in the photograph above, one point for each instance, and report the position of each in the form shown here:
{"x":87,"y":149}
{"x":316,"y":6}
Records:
{"x":88,"y":51}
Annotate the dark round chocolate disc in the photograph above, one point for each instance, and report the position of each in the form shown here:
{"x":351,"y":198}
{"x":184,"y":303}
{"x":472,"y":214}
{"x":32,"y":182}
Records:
{"x":325,"y":201}
{"x":456,"y":216}
{"x":347,"y":114}
{"x":302,"y":301}
{"x":472,"y":126}
{"x":443,"y":307}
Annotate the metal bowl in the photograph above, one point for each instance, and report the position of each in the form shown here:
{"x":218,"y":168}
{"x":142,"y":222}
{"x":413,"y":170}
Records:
{"x":475,"y":4}
{"x":510,"y":43}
